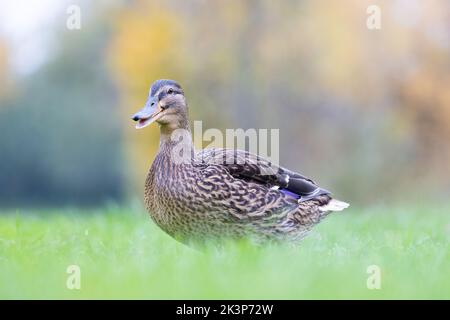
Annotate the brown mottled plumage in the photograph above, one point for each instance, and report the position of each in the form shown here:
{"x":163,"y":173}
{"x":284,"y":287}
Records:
{"x":222,"y":193}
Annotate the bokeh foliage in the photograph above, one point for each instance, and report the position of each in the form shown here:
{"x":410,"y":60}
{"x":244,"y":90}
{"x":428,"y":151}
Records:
{"x":364,"y":112}
{"x":60,"y":132}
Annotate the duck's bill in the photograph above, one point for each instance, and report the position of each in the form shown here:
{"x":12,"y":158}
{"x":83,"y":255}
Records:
{"x":145,"y":118}
{"x":142,"y":123}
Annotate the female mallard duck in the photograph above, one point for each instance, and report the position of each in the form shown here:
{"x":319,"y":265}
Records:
{"x":222,"y":193}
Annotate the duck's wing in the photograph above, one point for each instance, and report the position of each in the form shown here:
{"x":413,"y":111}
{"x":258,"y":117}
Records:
{"x":247,"y":166}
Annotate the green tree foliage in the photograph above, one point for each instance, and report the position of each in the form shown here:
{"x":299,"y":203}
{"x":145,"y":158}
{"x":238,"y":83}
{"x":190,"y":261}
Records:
{"x":60,"y":137}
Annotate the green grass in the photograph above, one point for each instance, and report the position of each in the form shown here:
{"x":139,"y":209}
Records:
{"x":122,"y":254}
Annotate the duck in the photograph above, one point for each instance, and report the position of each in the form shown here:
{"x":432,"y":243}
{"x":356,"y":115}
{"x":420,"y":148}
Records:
{"x":222,"y":193}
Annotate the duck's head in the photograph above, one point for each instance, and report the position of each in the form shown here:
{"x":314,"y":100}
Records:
{"x":165,"y":105}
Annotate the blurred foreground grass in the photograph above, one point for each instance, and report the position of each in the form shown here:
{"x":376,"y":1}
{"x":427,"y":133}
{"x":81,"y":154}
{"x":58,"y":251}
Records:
{"x":122,"y":254}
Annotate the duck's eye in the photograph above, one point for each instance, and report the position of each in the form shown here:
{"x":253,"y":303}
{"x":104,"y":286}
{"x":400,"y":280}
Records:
{"x":170,"y":91}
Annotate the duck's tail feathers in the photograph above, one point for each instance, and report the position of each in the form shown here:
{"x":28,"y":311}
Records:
{"x":334,"y":205}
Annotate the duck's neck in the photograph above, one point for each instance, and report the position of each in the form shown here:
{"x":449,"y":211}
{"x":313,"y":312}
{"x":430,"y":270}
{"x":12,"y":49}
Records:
{"x":169,"y":131}
{"x":176,"y":142}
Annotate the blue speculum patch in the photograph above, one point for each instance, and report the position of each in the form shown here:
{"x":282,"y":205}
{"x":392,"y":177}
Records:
{"x":290,"y":193}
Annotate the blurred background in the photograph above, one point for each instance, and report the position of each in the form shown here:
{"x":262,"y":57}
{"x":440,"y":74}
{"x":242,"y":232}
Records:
{"x":366,"y":113}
